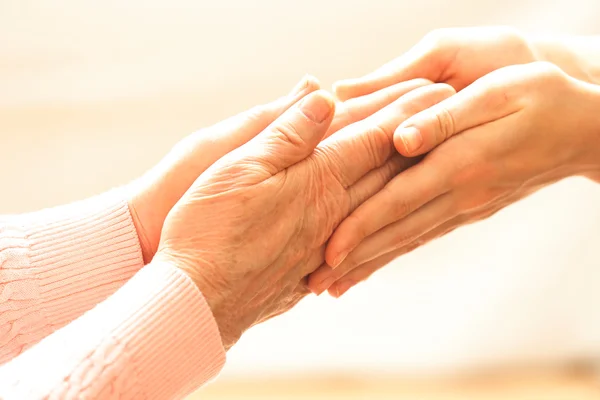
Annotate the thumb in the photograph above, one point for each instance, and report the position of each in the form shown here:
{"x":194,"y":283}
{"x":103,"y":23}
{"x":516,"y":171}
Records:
{"x":483,"y":101}
{"x":294,"y":135}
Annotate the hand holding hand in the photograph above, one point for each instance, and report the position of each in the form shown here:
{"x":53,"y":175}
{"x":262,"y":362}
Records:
{"x":153,"y":195}
{"x":456,"y":56}
{"x":507,"y":135}
{"x":255,"y":223}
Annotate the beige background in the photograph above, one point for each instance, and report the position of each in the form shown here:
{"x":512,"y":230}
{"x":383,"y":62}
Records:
{"x":92,"y":94}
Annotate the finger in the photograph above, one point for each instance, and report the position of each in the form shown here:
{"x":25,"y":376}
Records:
{"x":376,"y":179}
{"x":292,"y":137}
{"x":368,"y":144}
{"x":486,"y":100}
{"x":364,"y":271}
{"x":421,"y":61}
{"x":387,"y":240}
{"x":223,"y":137}
{"x":404,"y":194}
{"x":191,"y":156}
{"x":366,"y":187}
{"x":392,"y":237}
{"x":428,"y":217}
{"x":355,"y":110}
{"x":233,"y":132}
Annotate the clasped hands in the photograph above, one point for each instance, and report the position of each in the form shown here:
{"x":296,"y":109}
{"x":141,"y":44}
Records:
{"x":306,"y":194}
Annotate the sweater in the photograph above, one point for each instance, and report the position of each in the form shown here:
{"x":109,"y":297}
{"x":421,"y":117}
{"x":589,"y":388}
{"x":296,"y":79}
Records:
{"x":82,"y":317}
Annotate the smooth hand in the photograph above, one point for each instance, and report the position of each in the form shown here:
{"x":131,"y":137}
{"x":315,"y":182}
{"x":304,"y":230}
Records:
{"x":255,"y":223}
{"x":456,"y":56}
{"x":507,"y":135}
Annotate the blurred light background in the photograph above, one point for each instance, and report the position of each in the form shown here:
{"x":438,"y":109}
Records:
{"x":94,"y":93}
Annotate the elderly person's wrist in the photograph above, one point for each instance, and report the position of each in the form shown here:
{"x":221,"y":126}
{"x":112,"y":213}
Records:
{"x":215,"y":299}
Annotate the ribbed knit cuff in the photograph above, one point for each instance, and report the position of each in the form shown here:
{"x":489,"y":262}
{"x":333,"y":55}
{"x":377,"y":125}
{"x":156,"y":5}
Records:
{"x":169,"y":332}
{"x":154,"y":338}
{"x":61,"y":262}
{"x":82,"y":254}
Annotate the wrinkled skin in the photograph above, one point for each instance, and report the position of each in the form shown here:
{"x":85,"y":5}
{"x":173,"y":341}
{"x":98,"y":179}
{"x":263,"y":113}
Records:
{"x":255,"y":223}
{"x":152,"y":196}
{"x":504,"y":137}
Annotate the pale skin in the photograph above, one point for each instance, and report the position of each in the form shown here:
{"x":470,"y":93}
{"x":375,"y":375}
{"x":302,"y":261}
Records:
{"x":255,"y":223}
{"x":245,"y":208}
{"x":153,"y":195}
{"x":516,"y":125}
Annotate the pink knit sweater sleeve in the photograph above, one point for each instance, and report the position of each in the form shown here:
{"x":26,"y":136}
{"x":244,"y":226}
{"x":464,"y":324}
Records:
{"x":155,"y":337}
{"x":55,"y":264}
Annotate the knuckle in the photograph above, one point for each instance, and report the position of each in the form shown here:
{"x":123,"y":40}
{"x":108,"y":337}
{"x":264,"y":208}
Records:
{"x":547,"y":73}
{"x":328,"y":159}
{"x":445,"y":124}
{"x":378,"y":142}
{"x":392,"y":168}
{"x":288,"y":132}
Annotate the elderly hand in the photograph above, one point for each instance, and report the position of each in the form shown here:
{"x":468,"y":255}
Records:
{"x":153,"y":195}
{"x":255,"y":223}
{"x":507,"y":135}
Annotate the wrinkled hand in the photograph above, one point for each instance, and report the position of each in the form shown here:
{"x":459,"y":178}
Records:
{"x":507,"y":135}
{"x":255,"y":223}
{"x":456,"y":56}
{"x":153,"y":195}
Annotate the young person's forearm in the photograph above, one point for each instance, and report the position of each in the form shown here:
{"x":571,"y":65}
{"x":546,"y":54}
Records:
{"x":578,"y":56}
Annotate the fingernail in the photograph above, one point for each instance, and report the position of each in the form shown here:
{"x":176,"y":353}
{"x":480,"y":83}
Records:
{"x":343,"y":287}
{"x":317,"y":107}
{"x":411,"y":138}
{"x":339,"y":259}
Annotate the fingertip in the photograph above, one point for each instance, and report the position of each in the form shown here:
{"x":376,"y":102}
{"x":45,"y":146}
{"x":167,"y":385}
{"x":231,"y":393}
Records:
{"x":321,"y":279}
{"x":333,"y":291}
{"x":316,"y":290}
{"x":344,"y":89}
{"x":335,"y":253}
{"x":306,"y":85}
{"x":442,"y":91}
{"x":448,"y":89}
{"x":312,"y":83}
{"x":348,"y":235}
{"x":339,"y":288}
{"x":408,"y":141}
